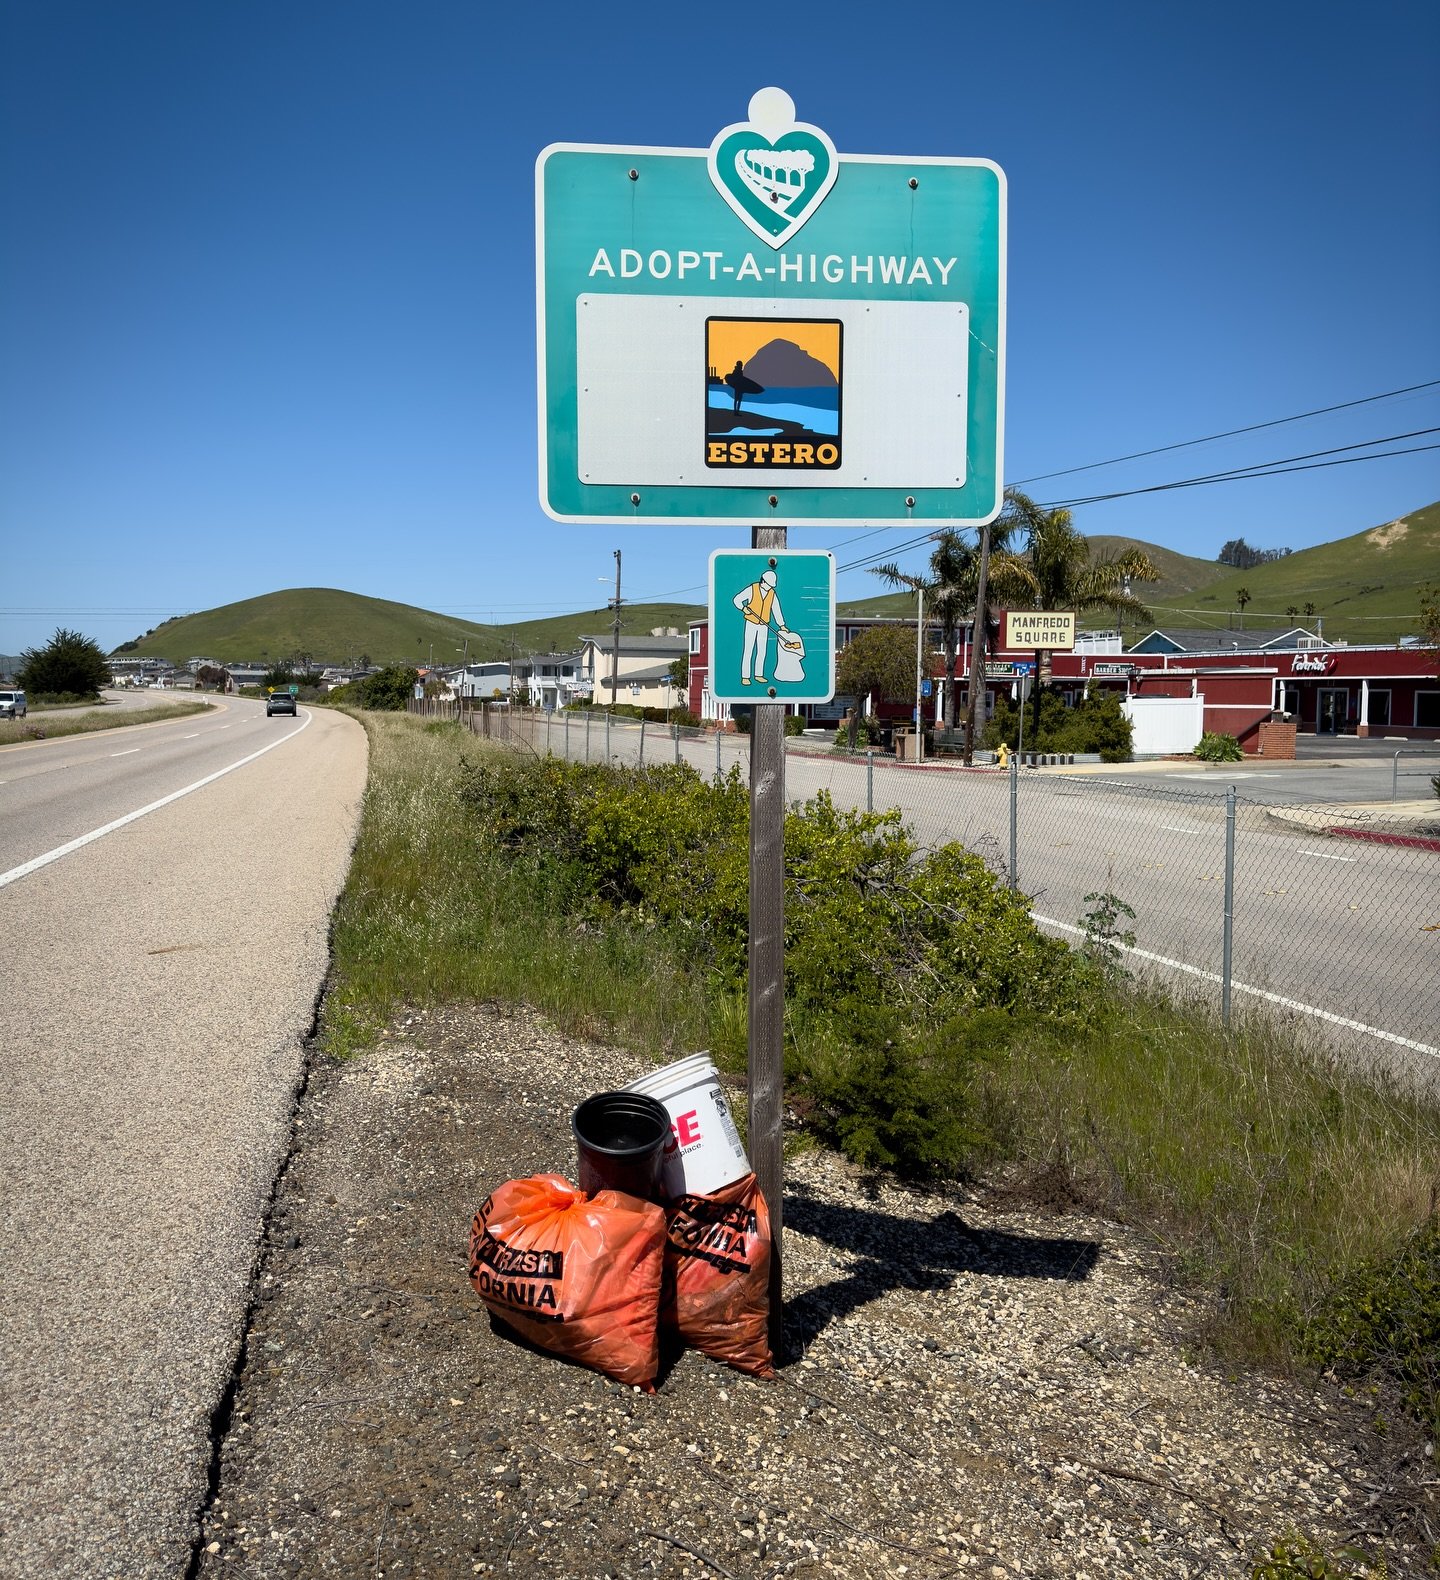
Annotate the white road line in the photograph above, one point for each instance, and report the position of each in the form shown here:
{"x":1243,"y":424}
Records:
{"x":1171,"y":828}
{"x":1254,"y":992}
{"x":1325,"y":855}
{"x":194,"y":737}
{"x":28,"y":867}
{"x":128,"y":752}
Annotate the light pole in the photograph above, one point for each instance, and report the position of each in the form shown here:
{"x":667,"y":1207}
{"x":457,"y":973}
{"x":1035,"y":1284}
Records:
{"x":919,"y":673}
{"x":615,"y":636}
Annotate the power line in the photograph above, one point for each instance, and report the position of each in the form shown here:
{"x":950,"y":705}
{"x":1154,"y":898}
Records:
{"x":1255,"y":427}
{"x":1274,"y":468}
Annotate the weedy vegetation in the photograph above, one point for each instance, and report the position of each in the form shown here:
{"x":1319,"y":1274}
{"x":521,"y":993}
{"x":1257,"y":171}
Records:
{"x":931,"y":1028}
{"x":1213,"y":748}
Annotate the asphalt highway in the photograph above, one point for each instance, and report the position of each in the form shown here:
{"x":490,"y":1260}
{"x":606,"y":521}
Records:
{"x":165,"y":894}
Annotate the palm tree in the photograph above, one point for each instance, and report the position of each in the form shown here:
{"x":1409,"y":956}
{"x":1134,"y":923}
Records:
{"x":952,"y":587}
{"x":939,"y":587}
{"x":1242,"y":597}
{"x":1067,"y":578}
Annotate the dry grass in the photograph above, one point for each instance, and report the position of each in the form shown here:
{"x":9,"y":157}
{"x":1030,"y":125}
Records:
{"x":49,"y":723}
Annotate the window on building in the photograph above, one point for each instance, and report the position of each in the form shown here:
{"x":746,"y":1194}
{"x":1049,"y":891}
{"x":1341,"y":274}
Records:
{"x":1427,"y":710}
{"x":694,"y":638}
{"x":1378,"y":708}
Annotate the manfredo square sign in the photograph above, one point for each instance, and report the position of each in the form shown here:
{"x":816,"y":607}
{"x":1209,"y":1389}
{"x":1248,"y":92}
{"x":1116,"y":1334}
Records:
{"x":767,"y":330}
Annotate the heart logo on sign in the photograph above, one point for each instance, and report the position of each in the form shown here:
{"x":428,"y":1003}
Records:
{"x":773,"y":170}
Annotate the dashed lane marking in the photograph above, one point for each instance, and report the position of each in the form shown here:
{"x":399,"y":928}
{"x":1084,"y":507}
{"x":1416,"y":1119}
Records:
{"x":26,"y":868}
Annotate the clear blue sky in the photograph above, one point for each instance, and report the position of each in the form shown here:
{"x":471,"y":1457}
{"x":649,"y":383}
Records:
{"x":267,"y":299}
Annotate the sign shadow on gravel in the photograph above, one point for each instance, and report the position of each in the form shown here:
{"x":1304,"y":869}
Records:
{"x":903,"y":1253}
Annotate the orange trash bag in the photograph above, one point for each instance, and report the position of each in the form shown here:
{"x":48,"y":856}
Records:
{"x":576,"y":1275}
{"x":717,"y":1275}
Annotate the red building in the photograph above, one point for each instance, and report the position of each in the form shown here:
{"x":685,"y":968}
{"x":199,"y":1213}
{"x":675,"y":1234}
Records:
{"x":1228,"y":683}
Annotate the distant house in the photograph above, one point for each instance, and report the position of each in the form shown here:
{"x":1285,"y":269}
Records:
{"x":642,"y":669}
{"x":484,"y":681}
{"x":1175,"y":639}
{"x":553,"y":680}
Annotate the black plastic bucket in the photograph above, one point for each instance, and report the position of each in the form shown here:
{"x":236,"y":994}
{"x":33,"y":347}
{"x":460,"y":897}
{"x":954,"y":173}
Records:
{"x":619,"y":1136}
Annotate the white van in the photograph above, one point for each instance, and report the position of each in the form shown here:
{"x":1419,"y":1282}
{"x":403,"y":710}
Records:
{"x":12,"y":705}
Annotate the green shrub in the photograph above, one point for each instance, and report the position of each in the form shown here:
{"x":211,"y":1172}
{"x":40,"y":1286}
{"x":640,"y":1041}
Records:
{"x":388,"y":690}
{"x":1296,"y":1557}
{"x":794,"y":724}
{"x":1219,"y":749}
{"x":867,"y":734}
{"x":1096,"y":723}
{"x":889,"y":951}
{"x":1386,"y":1314}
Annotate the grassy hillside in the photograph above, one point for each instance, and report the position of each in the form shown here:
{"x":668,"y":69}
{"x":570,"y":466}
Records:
{"x":561,"y":633}
{"x":331,"y":625}
{"x":1364,"y":588}
{"x":341,"y":627}
{"x":1181,"y":575}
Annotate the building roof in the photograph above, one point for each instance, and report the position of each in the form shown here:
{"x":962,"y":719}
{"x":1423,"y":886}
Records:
{"x":1202,"y":639}
{"x":639,"y":644}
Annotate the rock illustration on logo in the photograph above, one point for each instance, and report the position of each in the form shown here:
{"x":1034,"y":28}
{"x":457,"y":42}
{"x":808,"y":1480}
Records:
{"x":773,"y":170}
{"x":778,"y":405}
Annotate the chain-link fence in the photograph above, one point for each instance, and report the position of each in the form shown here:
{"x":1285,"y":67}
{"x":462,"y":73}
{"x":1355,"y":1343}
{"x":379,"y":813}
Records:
{"x":1326,"y":916}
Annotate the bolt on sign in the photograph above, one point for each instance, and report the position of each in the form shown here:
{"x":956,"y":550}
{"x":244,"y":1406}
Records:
{"x":1048,"y":629}
{"x":772,"y":625}
{"x":768,"y":330}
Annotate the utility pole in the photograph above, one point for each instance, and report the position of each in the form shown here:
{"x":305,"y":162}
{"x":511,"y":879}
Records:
{"x":979,"y":636}
{"x":919,"y":673}
{"x":615,"y":636}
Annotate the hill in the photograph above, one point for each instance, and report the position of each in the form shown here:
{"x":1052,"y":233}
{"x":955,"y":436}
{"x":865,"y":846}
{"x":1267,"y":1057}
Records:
{"x":1180,"y":576}
{"x":331,"y":625}
{"x":338,"y":627}
{"x":561,"y":633}
{"x":1363,"y":588}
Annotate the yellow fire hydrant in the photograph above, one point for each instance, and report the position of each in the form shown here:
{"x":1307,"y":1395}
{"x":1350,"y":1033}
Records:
{"x":1002,"y":755}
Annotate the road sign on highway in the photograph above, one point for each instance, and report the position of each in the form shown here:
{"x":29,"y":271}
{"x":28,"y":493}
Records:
{"x":772,"y":625}
{"x":767,"y":330}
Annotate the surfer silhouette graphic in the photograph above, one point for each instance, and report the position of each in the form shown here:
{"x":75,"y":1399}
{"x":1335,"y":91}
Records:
{"x":741,"y":383}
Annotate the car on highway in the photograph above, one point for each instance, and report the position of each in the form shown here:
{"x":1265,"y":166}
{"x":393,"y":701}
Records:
{"x":12,"y":705}
{"x":280,"y":702}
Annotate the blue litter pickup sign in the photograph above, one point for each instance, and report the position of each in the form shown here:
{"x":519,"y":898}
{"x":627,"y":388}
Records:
{"x":772,"y":625}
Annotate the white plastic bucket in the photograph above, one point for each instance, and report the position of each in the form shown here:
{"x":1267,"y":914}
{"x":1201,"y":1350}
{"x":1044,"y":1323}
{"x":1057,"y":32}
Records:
{"x":703,"y":1152}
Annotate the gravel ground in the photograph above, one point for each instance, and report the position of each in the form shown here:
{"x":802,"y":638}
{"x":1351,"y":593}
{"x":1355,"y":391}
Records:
{"x":971,"y":1386}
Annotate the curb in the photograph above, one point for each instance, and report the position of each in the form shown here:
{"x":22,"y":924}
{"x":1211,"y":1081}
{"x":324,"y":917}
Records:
{"x":1410,"y":841}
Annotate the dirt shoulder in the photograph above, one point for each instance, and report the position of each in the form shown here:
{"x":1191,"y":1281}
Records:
{"x":970,"y":1388}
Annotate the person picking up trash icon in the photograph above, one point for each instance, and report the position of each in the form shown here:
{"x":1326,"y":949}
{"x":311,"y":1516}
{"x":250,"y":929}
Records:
{"x":760,"y":606}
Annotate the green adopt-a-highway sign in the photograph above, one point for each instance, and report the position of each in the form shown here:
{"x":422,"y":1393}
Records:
{"x":769,"y":331}
{"x":772,"y":625}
